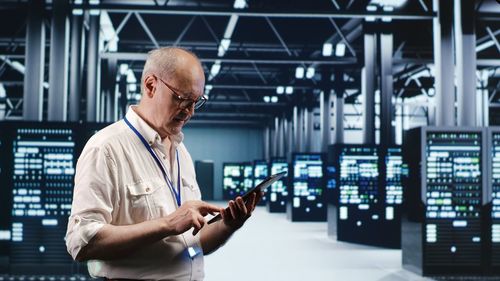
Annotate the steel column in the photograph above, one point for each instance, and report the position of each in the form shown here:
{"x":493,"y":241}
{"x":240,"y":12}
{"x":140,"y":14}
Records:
{"x":325,"y":123}
{"x":444,"y":63}
{"x":465,"y":39}
{"x":368,"y":88}
{"x":75,"y":73}
{"x":386,"y":90}
{"x":58,"y":67}
{"x":93,"y":68}
{"x":34,"y":63}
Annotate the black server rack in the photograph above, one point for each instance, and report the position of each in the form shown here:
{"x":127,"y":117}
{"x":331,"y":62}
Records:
{"x":37,"y":173}
{"x":278,"y":191}
{"x":492,"y":199}
{"x":307,"y":200}
{"x":205,"y":178}
{"x":260,"y":172}
{"x":443,"y":232}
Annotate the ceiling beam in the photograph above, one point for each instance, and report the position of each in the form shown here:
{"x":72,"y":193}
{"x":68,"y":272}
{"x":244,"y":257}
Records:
{"x":191,"y":11}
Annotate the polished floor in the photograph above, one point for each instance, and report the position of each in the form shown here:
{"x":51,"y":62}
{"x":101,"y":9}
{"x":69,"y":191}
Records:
{"x":270,"y":247}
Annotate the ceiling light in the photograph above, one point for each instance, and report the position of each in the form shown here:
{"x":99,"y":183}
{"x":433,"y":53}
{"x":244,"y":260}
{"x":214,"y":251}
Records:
{"x":274,"y":99}
{"x":280,"y":90}
{"x":327,"y":49}
{"x":310,"y":72}
{"x":393,"y":3}
{"x":289,"y":90}
{"x":132,"y":88}
{"x":215,"y":69}
{"x":131,"y":76}
{"x":299,"y":72}
{"x":371,"y":8}
{"x":224,"y":46}
{"x":267,"y":99}
{"x":123,"y":68}
{"x":240,"y":4}
{"x":340,"y":50}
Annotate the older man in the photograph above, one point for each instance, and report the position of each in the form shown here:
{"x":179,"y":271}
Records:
{"x":136,"y":198}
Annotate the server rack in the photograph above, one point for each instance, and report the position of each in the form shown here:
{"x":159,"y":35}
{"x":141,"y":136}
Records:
{"x":37,"y":171}
{"x":307,"y":202}
{"x":443,"y":232}
{"x":260,"y":172}
{"x":278,"y":191}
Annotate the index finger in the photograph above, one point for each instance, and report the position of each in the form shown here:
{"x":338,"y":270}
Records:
{"x":206,"y":208}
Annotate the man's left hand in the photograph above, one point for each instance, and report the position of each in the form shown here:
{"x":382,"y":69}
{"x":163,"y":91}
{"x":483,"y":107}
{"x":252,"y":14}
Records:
{"x":239,"y":211}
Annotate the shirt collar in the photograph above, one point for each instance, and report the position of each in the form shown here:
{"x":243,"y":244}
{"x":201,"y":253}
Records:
{"x":150,"y":134}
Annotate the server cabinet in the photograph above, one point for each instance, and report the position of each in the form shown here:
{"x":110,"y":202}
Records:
{"x":260,"y":172}
{"x":307,"y":202}
{"x":443,"y":233}
{"x":278,"y":191}
{"x":205,"y":178}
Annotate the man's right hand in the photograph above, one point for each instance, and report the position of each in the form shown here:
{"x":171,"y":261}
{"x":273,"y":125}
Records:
{"x":190,"y":215}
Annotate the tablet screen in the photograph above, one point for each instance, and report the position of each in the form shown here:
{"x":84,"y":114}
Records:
{"x":262,"y":186}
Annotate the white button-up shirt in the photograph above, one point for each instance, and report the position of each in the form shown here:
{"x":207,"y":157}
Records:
{"x":118,"y":182}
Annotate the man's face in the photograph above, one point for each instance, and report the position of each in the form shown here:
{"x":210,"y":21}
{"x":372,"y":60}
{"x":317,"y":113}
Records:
{"x":186,"y":84}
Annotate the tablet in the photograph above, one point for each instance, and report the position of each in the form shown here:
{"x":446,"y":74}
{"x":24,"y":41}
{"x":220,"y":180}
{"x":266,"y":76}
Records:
{"x":261,"y":186}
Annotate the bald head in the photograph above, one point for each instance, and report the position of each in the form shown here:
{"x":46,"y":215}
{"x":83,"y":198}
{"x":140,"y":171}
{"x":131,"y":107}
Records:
{"x":171,"y":63}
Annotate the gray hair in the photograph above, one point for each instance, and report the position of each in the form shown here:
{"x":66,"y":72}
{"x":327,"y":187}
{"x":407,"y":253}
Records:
{"x":163,"y":62}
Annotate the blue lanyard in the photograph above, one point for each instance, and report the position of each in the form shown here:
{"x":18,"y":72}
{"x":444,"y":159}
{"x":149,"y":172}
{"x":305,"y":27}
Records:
{"x":177,"y":193}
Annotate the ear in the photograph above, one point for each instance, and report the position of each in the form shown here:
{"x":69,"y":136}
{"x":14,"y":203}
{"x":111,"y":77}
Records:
{"x":149,"y":85}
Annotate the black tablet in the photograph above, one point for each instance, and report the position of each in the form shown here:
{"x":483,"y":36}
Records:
{"x":260,"y":187}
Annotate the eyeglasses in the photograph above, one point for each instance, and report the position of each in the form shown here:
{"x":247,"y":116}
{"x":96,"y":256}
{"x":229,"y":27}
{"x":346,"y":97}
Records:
{"x":185,"y":102}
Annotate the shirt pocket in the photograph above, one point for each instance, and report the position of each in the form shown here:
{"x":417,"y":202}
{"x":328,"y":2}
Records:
{"x":143,"y":198}
{"x":191,"y":190}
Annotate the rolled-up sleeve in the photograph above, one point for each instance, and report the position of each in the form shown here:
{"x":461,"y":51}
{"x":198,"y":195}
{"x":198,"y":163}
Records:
{"x":93,"y":197}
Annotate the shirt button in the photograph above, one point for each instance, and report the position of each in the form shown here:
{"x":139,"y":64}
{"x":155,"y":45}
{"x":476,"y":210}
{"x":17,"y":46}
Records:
{"x":150,"y":142}
{"x":147,"y":189}
{"x":164,"y":157}
{"x":77,"y":220}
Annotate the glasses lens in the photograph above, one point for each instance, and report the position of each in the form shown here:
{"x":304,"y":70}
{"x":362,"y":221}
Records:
{"x":200,"y":102}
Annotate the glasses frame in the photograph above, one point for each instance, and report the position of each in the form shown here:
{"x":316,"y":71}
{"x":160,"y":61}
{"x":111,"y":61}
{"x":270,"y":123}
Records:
{"x":198,"y":103}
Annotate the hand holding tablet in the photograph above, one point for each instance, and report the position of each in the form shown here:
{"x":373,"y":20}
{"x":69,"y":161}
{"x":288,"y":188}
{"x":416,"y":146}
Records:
{"x":259,"y":188}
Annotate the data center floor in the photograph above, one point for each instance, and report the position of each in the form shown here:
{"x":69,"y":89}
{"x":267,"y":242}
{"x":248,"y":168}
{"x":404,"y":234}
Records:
{"x":270,"y":247}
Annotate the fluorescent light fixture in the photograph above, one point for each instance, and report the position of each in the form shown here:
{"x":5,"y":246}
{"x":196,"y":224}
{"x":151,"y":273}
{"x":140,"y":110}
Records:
{"x":94,"y":2}
{"x":215,"y":68}
{"x":131,"y":76}
{"x":240,"y":4}
{"x":18,"y":66}
{"x":327,"y":49}
{"x":209,"y":87}
{"x":3,"y":92}
{"x":138,"y":96}
{"x":370,"y":19}
{"x":393,"y":3}
{"x":123,"y":68}
{"x":289,"y":90}
{"x":386,"y":19}
{"x":299,"y":72}
{"x":280,"y":90}
{"x":274,"y":99}
{"x":310,"y":72}
{"x":485,"y":45}
{"x":78,"y":2}
{"x":340,"y":50}
{"x":371,"y":8}
{"x":94,"y":12}
{"x":223,"y":47}
{"x":267,"y":99}
{"x":132,"y":88}
{"x":388,"y":8}
{"x":77,"y":12}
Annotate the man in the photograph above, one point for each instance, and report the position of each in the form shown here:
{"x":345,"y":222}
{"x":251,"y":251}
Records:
{"x":136,"y":198}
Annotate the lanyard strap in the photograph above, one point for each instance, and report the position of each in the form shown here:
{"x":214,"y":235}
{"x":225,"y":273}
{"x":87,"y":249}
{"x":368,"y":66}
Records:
{"x":177,"y":193}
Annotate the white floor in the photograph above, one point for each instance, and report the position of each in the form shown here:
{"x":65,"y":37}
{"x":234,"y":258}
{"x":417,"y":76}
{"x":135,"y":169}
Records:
{"x":270,"y":247}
